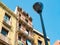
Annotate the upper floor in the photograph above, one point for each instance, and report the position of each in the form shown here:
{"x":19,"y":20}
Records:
{"x":23,"y":17}
{"x":39,"y":38}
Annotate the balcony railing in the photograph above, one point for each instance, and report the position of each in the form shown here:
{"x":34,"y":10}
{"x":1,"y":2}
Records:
{"x":30,"y":24}
{"x":23,"y":21}
{"x":4,"y":39}
{"x":30,"y":37}
{"x":25,"y":33}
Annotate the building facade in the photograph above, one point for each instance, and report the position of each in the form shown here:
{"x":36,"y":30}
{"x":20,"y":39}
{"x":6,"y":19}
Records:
{"x":24,"y":27}
{"x":39,"y":38}
{"x":16,"y":28}
{"x":8,"y":28}
{"x":57,"y":42}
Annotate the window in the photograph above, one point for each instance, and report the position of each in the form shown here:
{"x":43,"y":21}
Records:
{"x":4,"y":32}
{"x":27,"y":31}
{"x":26,"y":20}
{"x":28,"y":42}
{"x":6,"y":18}
{"x":39,"y":42}
{"x":19,"y":41}
{"x":19,"y":26}
{"x":19,"y":38}
{"x":19,"y":15}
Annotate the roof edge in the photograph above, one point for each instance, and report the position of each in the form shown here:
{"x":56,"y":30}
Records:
{"x":7,"y":9}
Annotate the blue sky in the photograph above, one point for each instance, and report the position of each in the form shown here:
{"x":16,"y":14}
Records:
{"x":51,"y":15}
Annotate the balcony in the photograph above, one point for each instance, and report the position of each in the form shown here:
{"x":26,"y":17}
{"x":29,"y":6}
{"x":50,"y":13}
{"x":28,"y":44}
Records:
{"x":4,"y":39}
{"x":22,"y":20}
{"x":21,"y":31}
{"x":20,"y":42}
{"x":25,"y":33}
{"x":30,"y":24}
{"x":30,"y":37}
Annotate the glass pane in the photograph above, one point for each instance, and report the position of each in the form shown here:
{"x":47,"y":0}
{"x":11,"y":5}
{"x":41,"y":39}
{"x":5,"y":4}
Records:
{"x":28,"y":42}
{"x":6,"y":18}
{"x":39,"y":42}
{"x":4,"y":32}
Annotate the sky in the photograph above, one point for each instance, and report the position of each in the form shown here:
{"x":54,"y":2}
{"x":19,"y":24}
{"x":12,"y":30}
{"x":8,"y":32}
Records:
{"x":51,"y":15}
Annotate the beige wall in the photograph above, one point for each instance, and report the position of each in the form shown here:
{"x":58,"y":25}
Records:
{"x":1,"y":17}
{"x":38,"y":37}
{"x":12,"y":30}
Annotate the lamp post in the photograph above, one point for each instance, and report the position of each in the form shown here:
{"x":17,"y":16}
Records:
{"x":38,"y":6}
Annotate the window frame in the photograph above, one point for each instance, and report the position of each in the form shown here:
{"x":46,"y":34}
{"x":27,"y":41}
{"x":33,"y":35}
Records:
{"x":7,"y":17}
{"x":4,"y":29}
{"x":39,"y":42}
{"x":7,"y":22}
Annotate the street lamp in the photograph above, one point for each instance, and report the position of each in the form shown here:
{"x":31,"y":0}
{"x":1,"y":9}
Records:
{"x":38,"y":6}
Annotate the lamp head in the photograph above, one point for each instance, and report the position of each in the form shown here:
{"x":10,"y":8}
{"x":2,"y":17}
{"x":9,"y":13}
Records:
{"x":38,"y":6}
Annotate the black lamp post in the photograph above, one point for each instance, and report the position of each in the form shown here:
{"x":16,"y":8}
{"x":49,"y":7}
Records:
{"x":38,"y":6}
